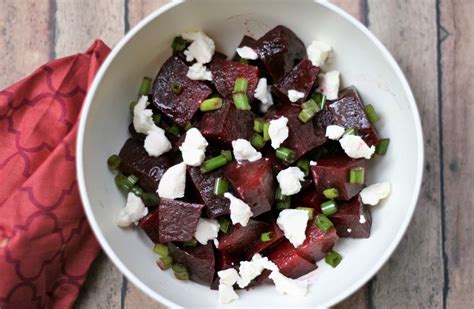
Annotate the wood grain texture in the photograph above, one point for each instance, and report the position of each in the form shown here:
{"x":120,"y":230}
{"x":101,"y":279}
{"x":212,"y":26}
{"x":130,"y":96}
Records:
{"x":413,"y":277}
{"x":457,"y":88}
{"x":24,"y":38}
{"x":139,"y":9}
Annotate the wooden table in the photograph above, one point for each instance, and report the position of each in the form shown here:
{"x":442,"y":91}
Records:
{"x":432,"y":40}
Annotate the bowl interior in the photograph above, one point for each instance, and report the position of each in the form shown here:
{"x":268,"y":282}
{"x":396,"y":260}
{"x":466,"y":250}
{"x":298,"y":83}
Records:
{"x":362,"y":62}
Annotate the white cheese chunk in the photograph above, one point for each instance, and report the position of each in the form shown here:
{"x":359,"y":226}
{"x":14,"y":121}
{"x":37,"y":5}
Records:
{"x":250,"y":270}
{"x":355,"y":147}
{"x":285,"y":285}
{"x":173,"y":182}
{"x":228,"y":276}
{"x":295,"y":95}
{"x":202,"y":47}
{"x":334,"y":132}
{"x":329,"y":84}
{"x":134,"y":210}
{"x":349,"y":230}
{"x":207,"y":229}
{"x":193,"y":148}
{"x":240,"y":212}
{"x":199,"y":72}
{"x":263,"y":93}
{"x":293,"y":224}
{"x":244,"y":151}
{"x":143,"y":117}
{"x":289,"y":180}
{"x":362,"y":219}
{"x":216,"y":243}
{"x":156,"y":142}
{"x":318,"y":52}
{"x":227,"y":294}
{"x":246,"y":52}
{"x":372,"y":194}
{"x":313,"y":163}
{"x":278,"y":131}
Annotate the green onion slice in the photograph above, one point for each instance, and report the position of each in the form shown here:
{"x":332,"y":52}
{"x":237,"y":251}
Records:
{"x":150,"y":199}
{"x":241,"y":101}
{"x":279,"y":196}
{"x":286,"y":154}
{"x":132,"y":107}
{"x":190,"y":243}
{"x":157,"y":118}
{"x":333,"y":258}
{"x":303,"y":164}
{"x":176,"y":87}
{"x":125,"y":183}
{"x":382,"y":147}
{"x":137,"y":190}
{"x":145,"y":86}
{"x":174,"y":129}
{"x":266,"y":236}
{"x":179,"y":44}
{"x":320,"y":100}
{"x":284,"y":204}
{"x":257,"y":141}
{"x":357,"y":175}
{"x":188,"y":126}
{"x":211,"y":104}
{"x":350,"y":131}
{"x":114,"y":162}
{"x":266,"y":135}
{"x":221,"y":186}
{"x":165,"y":262}
{"x":258,"y":125}
{"x":331,"y":193}
{"x":371,"y":114}
{"x":224,"y":224}
{"x":180,"y":272}
{"x":227,"y":154}
{"x":161,"y":249}
{"x":329,"y":207}
{"x":309,"y":210}
{"x":323,"y":223}
{"x":241,"y":85}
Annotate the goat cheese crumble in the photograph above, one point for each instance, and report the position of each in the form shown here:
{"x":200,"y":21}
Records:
{"x":285,"y":285}
{"x":250,"y":270}
{"x":207,"y":229}
{"x":199,"y":72}
{"x":202,"y":47}
{"x":134,"y":210}
{"x":244,"y":151}
{"x":278,"y":131}
{"x":193,"y":148}
{"x":156,"y":142}
{"x":227,"y":294}
{"x":240,"y":212}
{"x":289,"y":180}
{"x":329,"y":84}
{"x":334,"y":132}
{"x":318,"y":52}
{"x":295,"y":95}
{"x":246,"y":52}
{"x":355,"y":147}
{"x":173,"y":182}
{"x":263,"y":93}
{"x":362,"y":219}
{"x":372,"y":194}
{"x":293,"y":224}
{"x":143,"y":117}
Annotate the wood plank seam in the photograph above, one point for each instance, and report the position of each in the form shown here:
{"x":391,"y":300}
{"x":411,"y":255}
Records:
{"x":52,"y":29}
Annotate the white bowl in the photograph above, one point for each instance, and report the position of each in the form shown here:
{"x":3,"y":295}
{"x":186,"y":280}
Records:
{"x":363,"y":62}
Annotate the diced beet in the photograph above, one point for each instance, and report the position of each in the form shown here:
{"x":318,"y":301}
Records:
{"x":246,"y":41}
{"x":279,"y":50}
{"x":301,"y":78}
{"x":317,"y":243}
{"x":204,"y":183}
{"x":199,"y":261}
{"x":135,"y":134}
{"x":225,"y":72}
{"x":224,"y":261}
{"x":333,"y":172}
{"x":178,"y":220}
{"x":277,"y":236}
{"x":254,"y":183}
{"x":349,"y":217}
{"x":150,"y":224}
{"x":226,"y":124}
{"x":179,"y":107}
{"x":242,"y":239}
{"x":302,"y":137}
{"x":277,"y":164}
{"x":135,"y":160}
{"x":290,"y":263}
{"x":310,"y":198}
{"x":348,"y":112}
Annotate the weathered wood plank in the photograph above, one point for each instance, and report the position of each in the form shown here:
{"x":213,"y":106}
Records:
{"x":357,"y":8}
{"x":24,"y":38}
{"x":413,"y":278}
{"x":138,"y":9}
{"x":458,"y":123}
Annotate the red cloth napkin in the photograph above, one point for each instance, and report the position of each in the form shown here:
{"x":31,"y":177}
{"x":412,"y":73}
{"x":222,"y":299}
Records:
{"x":46,"y":244}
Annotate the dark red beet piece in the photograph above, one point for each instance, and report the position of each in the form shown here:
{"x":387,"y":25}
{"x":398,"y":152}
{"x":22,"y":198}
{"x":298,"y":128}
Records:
{"x":277,"y":237}
{"x":242,"y":239}
{"x":225,"y":72}
{"x":279,"y":50}
{"x":303,"y":137}
{"x":179,"y":107}
{"x":135,"y":160}
{"x":290,"y":263}
{"x":301,"y":78}
{"x":150,"y":224}
{"x":310,"y":198}
{"x":199,"y":261}
{"x":178,"y":220}
{"x":350,"y":215}
{"x":204,"y":183}
{"x":224,"y":261}
{"x":317,"y":243}
{"x":226,"y":124}
{"x":254,"y":183}
{"x":333,"y":172}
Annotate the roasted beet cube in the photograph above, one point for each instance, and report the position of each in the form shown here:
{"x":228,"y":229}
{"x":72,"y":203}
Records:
{"x":352,"y":219}
{"x":317,"y":243}
{"x":303,"y":137}
{"x":310,"y":198}
{"x":135,"y":160}
{"x":150,"y":224}
{"x":301,"y":78}
{"x":254,"y":183}
{"x":204,"y":183}
{"x":242,"y":239}
{"x":279,"y":50}
{"x":180,"y":106}
{"x":333,"y":172}
{"x":290,"y":263}
{"x":224,"y":261}
{"x":199,"y":261}
{"x":226,"y":124}
{"x":277,"y":237}
{"x":178,"y":220}
{"x":225,"y":73}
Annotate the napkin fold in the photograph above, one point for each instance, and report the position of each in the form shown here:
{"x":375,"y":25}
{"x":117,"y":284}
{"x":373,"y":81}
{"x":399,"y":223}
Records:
{"x":46,"y":244}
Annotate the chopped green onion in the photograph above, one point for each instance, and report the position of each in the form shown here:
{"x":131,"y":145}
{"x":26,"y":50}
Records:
{"x":241,"y":101}
{"x":227,"y":154}
{"x":320,"y":99}
{"x":215,"y":163}
{"x":323,"y":223}
{"x":357,"y":175}
{"x":333,"y":259}
{"x":371,"y":114}
{"x":179,"y":44}
{"x":350,"y":131}
{"x":258,"y":125}
{"x":244,"y":61}
{"x":224,"y":224}
{"x":382,"y":146}
{"x":161,"y":249}
{"x":303,"y":164}
{"x":286,"y":154}
{"x":176,"y":87}
{"x":279,"y":196}
{"x":311,"y":105}
{"x":150,"y":199}
{"x":305,"y":115}
{"x":241,"y":85}
{"x":211,"y":104}
{"x":310,"y":109}
{"x":221,"y":186}
{"x":329,"y":207}
{"x":284,"y":204}
{"x":145,"y":86}
{"x":331,"y":193}
{"x":257,"y":141}
{"x":266,"y":135}
{"x":125,"y":183}
{"x":157,"y":118}
{"x":174,"y":129}
{"x":266,"y":236}
{"x":309,"y":210}
{"x":132,"y":106}
{"x":190,"y":243}
{"x":114,"y":162}
{"x":188,"y":126}
{"x":180,"y":272}
{"x":137,"y":190}
{"x":165,"y":262}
